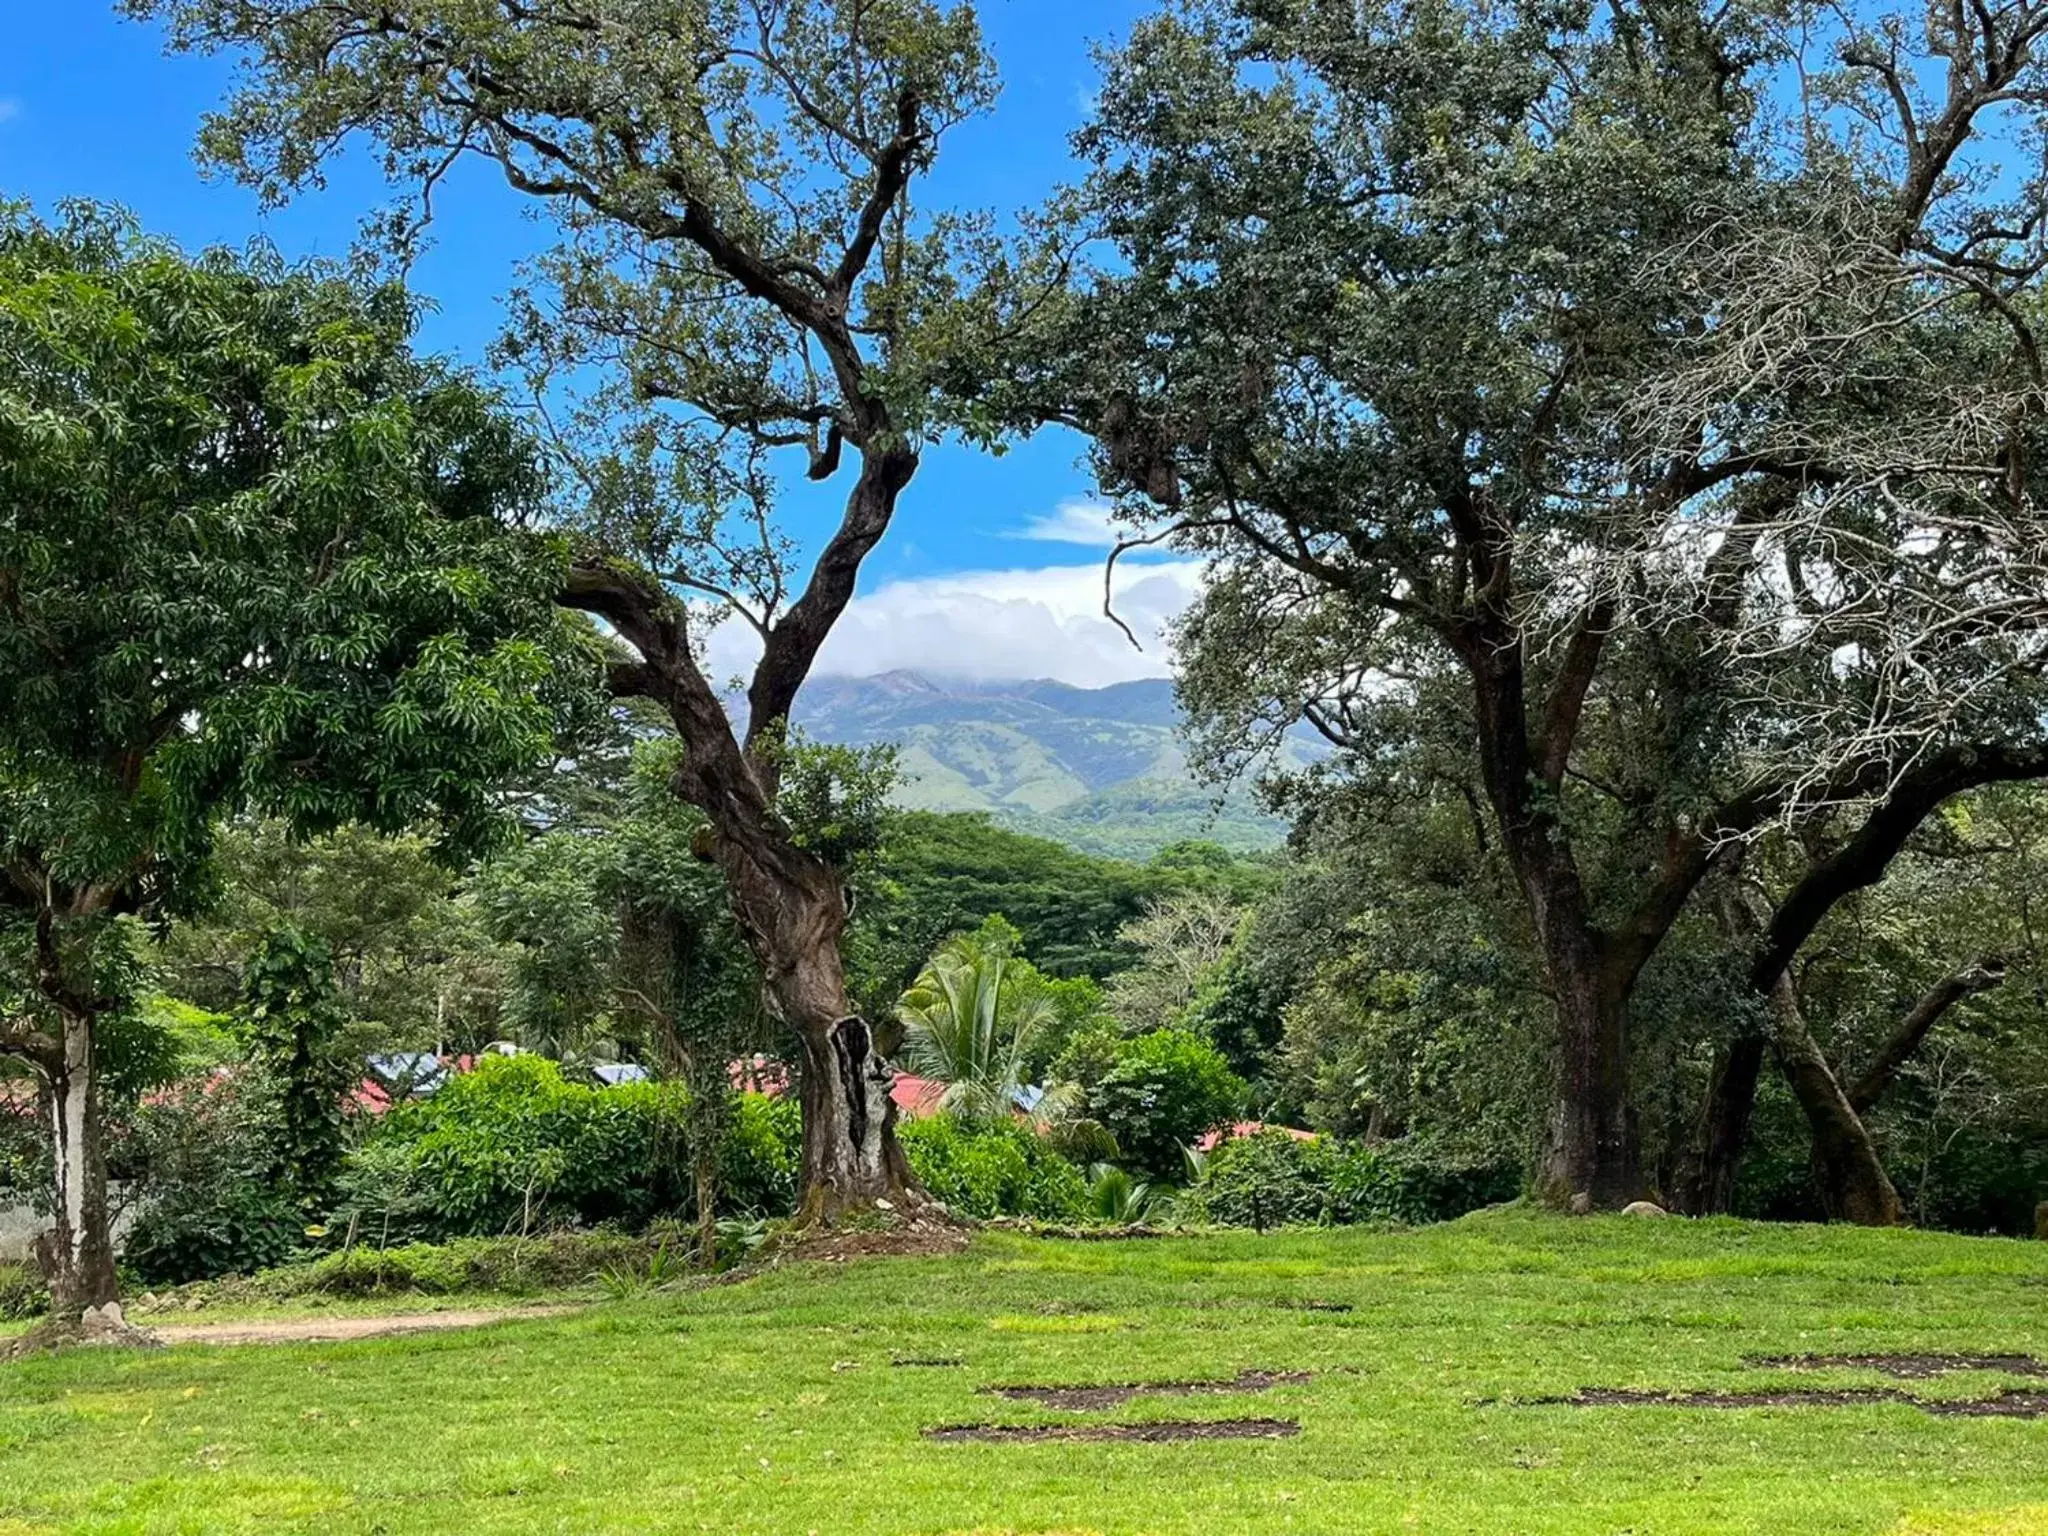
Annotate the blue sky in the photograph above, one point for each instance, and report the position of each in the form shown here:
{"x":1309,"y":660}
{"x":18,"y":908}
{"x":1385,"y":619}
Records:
{"x":90,"y":106}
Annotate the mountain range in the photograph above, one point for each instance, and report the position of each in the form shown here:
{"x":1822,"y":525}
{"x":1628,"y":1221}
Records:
{"x":1100,"y":769}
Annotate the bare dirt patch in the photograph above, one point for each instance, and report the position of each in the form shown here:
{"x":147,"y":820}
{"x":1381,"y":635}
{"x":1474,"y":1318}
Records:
{"x":334,"y":1330}
{"x":1115,"y":1395}
{"x":919,"y":1237}
{"x":1906,"y":1367}
{"x":2013,"y":1403}
{"x":1628,"y":1397}
{"x":1149,"y":1434}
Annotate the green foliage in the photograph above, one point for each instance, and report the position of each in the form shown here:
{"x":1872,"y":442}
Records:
{"x":327,"y":618}
{"x":1160,"y":1091}
{"x":971,"y":1022}
{"x":291,"y":1025}
{"x":408,"y":959}
{"x":212,"y":1201}
{"x":993,"y":1168}
{"x":949,"y":874}
{"x":22,"y":1293}
{"x":1273,"y":1180}
{"x":514,"y":1147}
{"x":515,"y":1266}
{"x":1115,"y":1197}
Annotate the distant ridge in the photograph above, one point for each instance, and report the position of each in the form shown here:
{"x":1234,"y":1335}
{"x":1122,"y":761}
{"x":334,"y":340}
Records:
{"x":1101,"y":769}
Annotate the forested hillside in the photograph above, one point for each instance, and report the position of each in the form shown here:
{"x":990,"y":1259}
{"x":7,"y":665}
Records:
{"x":1103,"y":770}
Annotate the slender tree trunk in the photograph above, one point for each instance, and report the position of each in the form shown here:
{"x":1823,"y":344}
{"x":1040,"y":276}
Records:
{"x":1706,"y":1180}
{"x":1853,"y":1184}
{"x":705,"y":1166}
{"x":78,"y":1252}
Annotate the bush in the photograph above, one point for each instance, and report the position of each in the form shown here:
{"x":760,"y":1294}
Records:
{"x":22,"y":1294}
{"x":211,"y":1206}
{"x":1273,"y":1180}
{"x":761,"y":1157}
{"x":507,"y":1265}
{"x":993,"y":1169}
{"x":513,"y":1147}
{"x":1160,"y":1091}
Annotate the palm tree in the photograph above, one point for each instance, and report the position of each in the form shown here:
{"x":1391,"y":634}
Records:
{"x":968,"y":1025}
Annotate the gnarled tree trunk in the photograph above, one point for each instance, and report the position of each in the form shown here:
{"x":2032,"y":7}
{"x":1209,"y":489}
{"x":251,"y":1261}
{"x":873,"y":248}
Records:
{"x":1853,"y":1184}
{"x":791,"y":907}
{"x":1705,"y":1185}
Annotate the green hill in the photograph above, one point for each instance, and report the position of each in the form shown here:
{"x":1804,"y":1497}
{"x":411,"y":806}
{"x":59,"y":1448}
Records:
{"x":1100,"y":769}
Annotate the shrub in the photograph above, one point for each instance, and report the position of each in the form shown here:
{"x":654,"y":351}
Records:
{"x":1162,"y":1090}
{"x":507,"y":1265}
{"x":993,"y":1169}
{"x":513,"y":1147}
{"x":211,"y":1206}
{"x":1273,"y":1180}
{"x":22,"y":1294}
{"x":760,"y":1156}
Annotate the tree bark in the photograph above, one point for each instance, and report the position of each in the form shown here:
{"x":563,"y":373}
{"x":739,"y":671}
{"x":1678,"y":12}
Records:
{"x":1705,"y":1185}
{"x":789,"y":904}
{"x":1858,"y":864}
{"x":77,"y":1254}
{"x":1591,"y":1149}
{"x":1918,"y":1023}
{"x":1853,"y":1184}
{"x":851,"y":1159}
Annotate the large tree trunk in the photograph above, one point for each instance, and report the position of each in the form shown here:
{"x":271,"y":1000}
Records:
{"x":793,"y":918}
{"x":1591,"y":1156}
{"x":78,"y":1252}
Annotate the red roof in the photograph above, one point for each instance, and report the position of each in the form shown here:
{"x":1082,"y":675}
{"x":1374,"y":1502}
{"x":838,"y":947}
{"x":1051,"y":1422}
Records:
{"x":1243,"y":1128}
{"x":917,"y":1098}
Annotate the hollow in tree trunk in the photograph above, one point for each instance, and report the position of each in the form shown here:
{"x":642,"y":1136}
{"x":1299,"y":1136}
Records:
{"x":792,"y":909}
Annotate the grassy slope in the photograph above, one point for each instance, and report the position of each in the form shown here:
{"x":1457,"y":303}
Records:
{"x":772,"y":1406}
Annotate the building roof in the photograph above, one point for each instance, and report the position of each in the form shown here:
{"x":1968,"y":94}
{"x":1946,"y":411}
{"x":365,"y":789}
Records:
{"x":1211,"y":1140}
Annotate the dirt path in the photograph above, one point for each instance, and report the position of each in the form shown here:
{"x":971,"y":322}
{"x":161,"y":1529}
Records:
{"x":328,"y":1330}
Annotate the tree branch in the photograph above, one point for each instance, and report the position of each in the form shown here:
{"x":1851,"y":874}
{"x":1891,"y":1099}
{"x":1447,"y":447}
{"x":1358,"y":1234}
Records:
{"x":1915,"y":1026}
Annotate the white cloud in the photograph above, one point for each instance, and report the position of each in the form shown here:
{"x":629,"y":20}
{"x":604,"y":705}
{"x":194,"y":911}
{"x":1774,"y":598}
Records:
{"x":1018,"y":624}
{"x":1073,"y":522}
{"x":10,"y":108}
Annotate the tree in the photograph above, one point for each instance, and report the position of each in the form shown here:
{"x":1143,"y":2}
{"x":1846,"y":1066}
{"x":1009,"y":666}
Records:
{"x":405,"y":956}
{"x":293,"y":1031}
{"x":1532,"y":354}
{"x":745,"y":266}
{"x":1181,"y":942}
{"x":972,"y":1020}
{"x":257,"y":556}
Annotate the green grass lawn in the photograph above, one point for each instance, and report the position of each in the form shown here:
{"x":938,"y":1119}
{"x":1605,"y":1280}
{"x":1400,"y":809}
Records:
{"x":774,"y":1406}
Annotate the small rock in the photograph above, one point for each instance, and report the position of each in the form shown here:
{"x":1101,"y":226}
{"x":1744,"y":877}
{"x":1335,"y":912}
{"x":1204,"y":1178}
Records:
{"x":883,"y":1205}
{"x":1582,"y":1203}
{"x":1644,"y":1208}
